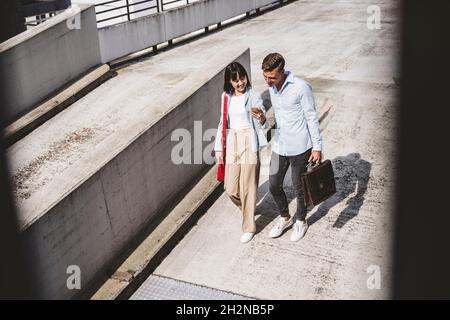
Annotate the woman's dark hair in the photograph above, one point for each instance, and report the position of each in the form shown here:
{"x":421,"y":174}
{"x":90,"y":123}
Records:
{"x":231,"y":73}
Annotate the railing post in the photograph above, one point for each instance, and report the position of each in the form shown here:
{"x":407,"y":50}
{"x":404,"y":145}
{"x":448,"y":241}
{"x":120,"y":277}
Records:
{"x":128,"y":10}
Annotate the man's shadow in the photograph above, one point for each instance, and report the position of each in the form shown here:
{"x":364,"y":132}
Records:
{"x":351,"y":175}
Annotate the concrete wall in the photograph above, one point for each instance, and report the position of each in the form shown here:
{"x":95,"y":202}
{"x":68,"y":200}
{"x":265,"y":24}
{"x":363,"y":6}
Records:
{"x":40,"y":60}
{"x":122,"y":39}
{"x":94,"y":223}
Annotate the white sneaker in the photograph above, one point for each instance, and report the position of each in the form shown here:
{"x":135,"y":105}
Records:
{"x":281,"y":225}
{"x":246,"y":237}
{"x":299,"y":230}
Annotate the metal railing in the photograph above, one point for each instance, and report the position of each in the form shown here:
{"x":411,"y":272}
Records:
{"x":42,"y":10}
{"x":129,"y":7}
{"x":165,"y":3}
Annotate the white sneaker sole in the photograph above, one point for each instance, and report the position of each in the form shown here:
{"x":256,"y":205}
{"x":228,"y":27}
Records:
{"x":246,"y":239}
{"x":281,"y":232}
{"x":296,"y":238}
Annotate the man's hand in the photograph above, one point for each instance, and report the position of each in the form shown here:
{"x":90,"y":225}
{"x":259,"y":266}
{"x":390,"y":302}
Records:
{"x":219,"y":157}
{"x":315,"y":157}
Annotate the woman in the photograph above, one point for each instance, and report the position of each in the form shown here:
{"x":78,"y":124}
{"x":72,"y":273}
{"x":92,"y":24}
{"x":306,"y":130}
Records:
{"x":244,"y":138}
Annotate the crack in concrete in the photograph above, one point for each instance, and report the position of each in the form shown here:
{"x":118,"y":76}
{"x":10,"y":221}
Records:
{"x":107,"y":208}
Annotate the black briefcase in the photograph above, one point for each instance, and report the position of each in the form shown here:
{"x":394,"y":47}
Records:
{"x":318,"y":183}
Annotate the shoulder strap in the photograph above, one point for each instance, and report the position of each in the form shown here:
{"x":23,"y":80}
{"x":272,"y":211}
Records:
{"x":224,"y":120}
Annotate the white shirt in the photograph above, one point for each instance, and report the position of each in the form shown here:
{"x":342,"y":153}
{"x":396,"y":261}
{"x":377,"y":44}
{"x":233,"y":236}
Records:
{"x":252,"y":99}
{"x":238,"y":114}
{"x":295,"y":113}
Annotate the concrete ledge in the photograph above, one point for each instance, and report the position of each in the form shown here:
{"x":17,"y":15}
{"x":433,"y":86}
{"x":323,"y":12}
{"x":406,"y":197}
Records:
{"x":27,"y":123}
{"x":122,"y":39}
{"x":56,"y":52}
{"x":40,"y":28}
{"x":96,"y":175}
{"x":141,"y":263}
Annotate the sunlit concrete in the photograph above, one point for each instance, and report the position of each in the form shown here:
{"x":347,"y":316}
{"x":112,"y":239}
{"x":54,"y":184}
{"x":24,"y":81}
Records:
{"x":347,"y":248}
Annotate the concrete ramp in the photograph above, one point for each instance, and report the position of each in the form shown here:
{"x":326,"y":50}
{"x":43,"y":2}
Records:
{"x":92,"y":178}
{"x":346,"y":252}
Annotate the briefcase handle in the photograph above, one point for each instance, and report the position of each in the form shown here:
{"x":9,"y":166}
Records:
{"x":311,"y":166}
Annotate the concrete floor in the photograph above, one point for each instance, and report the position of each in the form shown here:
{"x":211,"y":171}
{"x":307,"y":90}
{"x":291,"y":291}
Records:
{"x":351,"y":69}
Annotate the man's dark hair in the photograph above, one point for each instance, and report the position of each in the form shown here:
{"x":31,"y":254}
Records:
{"x":231,"y":74}
{"x":273,"y":61}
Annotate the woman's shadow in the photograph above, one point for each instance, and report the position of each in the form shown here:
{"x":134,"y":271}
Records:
{"x":351,"y":175}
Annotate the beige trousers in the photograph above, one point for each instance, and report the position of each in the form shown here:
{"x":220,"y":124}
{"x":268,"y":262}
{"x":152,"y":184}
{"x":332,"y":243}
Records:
{"x":242,"y":175}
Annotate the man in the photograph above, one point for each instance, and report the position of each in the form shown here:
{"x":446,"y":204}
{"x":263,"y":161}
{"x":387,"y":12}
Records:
{"x":296,"y":143}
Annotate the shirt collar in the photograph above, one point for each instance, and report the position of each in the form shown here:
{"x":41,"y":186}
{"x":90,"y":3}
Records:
{"x":289,"y":79}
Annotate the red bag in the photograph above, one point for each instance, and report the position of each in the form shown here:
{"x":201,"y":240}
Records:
{"x":221,"y":166}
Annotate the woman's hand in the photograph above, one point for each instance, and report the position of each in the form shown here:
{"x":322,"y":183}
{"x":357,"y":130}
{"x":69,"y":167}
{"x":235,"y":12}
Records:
{"x":219,"y":157}
{"x":258,"y":114}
